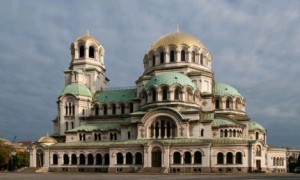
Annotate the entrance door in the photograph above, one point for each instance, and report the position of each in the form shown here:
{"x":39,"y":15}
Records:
{"x":258,"y":165}
{"x":156,"y":157}
{"x":39,"y":158}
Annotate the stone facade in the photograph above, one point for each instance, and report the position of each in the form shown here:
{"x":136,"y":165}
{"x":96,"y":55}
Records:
{"x":176,"y":119}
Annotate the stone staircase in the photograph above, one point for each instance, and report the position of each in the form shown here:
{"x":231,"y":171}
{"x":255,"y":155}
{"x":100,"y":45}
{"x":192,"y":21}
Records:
{"x":152,"y":170}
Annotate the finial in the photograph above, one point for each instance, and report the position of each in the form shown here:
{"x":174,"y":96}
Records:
{"x":177,"y":28}
{"x":87,"y":32}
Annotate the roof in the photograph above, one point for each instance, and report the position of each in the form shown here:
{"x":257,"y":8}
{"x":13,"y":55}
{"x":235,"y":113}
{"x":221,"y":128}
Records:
{"x":47,"y":140}
{"x":225,"y":89}
{"x":115,"y":96}
{"x":222,"y":122}
{"x":169,"y":79}
{"x":87,"y":37}
{"x":97,"y":127}
{"x":177,"y":38}
{"x":254,"y":125}
{"x":77,"y":90}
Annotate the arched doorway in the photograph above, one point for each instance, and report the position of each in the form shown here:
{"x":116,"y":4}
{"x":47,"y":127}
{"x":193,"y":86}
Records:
{"x":156,"y":157}
{"x":39,"y":158}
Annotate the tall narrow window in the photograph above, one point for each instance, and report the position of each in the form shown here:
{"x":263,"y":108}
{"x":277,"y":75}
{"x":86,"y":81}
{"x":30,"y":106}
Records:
{"x":172,"y":56}
{"x":81,"y":51}
{"x":129,"y":135}
{"x":198,"y":157}
{"x":153,"y":60}
{"x":72,"y":125}
{"x":201,"y":59}
{"x":176,"y":94}
{"x":91,"y":52}
{"x":105,"y":109}
{"x":227,"y":104}
{"x":202,"y":132}
{"x":176,"y":158}
{"x":217,"y":104}
{"x":256,"y":135}
{"x":229,"y":158}
{"x":220,"y":158}
{"x":113,"y":109}
{"x":238,"y":158}
{"x":165,"y":94}
{"x":131,"y":107}
{"x":182,"y":55}
{"x":162,"y":57}
{"x":193,"y":56}
{"x":67,"y":126}
{"x":153,"y":95}
{"x":122,"y":109}
{"x":96,"y":110}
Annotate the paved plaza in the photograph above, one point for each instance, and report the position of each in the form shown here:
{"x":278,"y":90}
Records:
{"x":91,"y":176}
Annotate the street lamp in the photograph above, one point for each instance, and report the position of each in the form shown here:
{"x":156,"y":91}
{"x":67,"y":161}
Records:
{"x":13,"y":159}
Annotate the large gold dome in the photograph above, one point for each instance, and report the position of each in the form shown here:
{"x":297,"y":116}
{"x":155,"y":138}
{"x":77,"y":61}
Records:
{"x":47,"y":140}
{"x":177,"y":39}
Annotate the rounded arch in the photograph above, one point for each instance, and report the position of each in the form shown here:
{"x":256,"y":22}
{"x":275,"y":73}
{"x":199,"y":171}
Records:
{"x":82,"y":159}
{"x":176,"y":158}
{"x":73,"y":159}
{"x":90,"y":159}
{"x":129,"y":158}
{"x":55,"y":159}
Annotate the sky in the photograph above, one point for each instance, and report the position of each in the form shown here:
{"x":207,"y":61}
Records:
{"x":255,"y":47}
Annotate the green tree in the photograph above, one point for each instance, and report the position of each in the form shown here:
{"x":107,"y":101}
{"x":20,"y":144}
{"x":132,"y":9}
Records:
{"x":22,"y":159}
{"x":5,"y":154}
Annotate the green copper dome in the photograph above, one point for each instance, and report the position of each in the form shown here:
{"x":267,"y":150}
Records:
{"x":77,"y":90}
{"x":254,"y":125}
{"x":222,"y":122}
{"x":169,"y":79}
{"x":225,"y":89}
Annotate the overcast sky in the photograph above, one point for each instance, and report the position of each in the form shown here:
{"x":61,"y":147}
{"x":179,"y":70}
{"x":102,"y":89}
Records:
{"x":255,"y":47}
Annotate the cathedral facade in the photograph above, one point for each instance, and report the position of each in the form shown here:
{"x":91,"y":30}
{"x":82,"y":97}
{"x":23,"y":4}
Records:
{"x":177,"y":119}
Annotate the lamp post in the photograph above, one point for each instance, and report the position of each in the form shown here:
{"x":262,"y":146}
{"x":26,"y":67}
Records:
{"x":13,"y":159}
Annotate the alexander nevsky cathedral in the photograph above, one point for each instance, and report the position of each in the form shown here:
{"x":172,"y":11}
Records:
{"x":177,"y":118}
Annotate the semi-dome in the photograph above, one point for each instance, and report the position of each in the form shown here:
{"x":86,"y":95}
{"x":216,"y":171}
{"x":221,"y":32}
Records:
{"x":47,"y":140}
{"x":255,"y":126}
{"x":177,"y":38}
{"x":169,"y":79}
{"x":77,"y":90}
{"x":223,"y":122}
{"x":225,"y":90}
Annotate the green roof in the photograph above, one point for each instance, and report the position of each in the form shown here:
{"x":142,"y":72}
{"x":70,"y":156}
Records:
{"x":116,"y":96}
{"x":221,"y":122}
{"x":78,"y":71}
{"x":254,"y":125}
{"x":169,"y":79}
{"x":77,"y":90}
{"x":225,"y":89}
{"x":97,"y":127}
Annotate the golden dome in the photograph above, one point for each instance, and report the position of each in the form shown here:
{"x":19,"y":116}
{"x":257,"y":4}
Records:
{"x":177,"y":39}
{"x":85,"y":38}
{"x":47,"y":140}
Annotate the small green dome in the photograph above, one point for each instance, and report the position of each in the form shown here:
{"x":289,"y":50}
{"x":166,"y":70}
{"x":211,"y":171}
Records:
{"x":221,"y":122}
{"x":225,"y":89}
{"x":77,"y":90}
{"x":254,"y":125}
{"x":169,"y":79}
{"x":78,"y":71}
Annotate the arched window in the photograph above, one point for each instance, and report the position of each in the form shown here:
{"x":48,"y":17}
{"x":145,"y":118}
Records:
{"x":198,"y":157}
{"x":187,"y":158}
{"x":221,"y":133}
{"x":106,"y":159}
{"x":129,"y":135}
{"x":153,"y":95}
{"x":96,"y":110}
{"x":81,"y":159}
{"x":104,"y":109}
{"x":165,"y":94}
{"x":238,"y":158}
{"x":220,"y":158}
{"x":162,"y":57}
{"x":201,"y":59}
{"x":226,"y":133}
{"x":98,"y":159}
{"x":153,"y":60}
{"x":176,"y":158}
{"x":176,"y":94}
{"x":202,"y":132}
{"x":258,"y":151}
{"x":113,"y":109}
{"x":91,"y":52}
{"x":128,"y":158}
{"x":256,"y":135}
{"x":172,"y":56}
{"x":131,"y":107}
{"x":217,"y":104}
{"x":119,"y":158}
{"x":227,"y":104}
{"x":138,"y":158}
{"x":97,"y":136}
{"x":90,"y":159}
{"x":73,"y":159}
{"x":81,"y":51}
{"x":229,"y":158}
{"x":55,"y":159}
{"x":122,"y":109}
{"x":182,"y":55}
{"x":193,"y":56}
{"x":234,"y":133}
{"x":66,"y":159}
